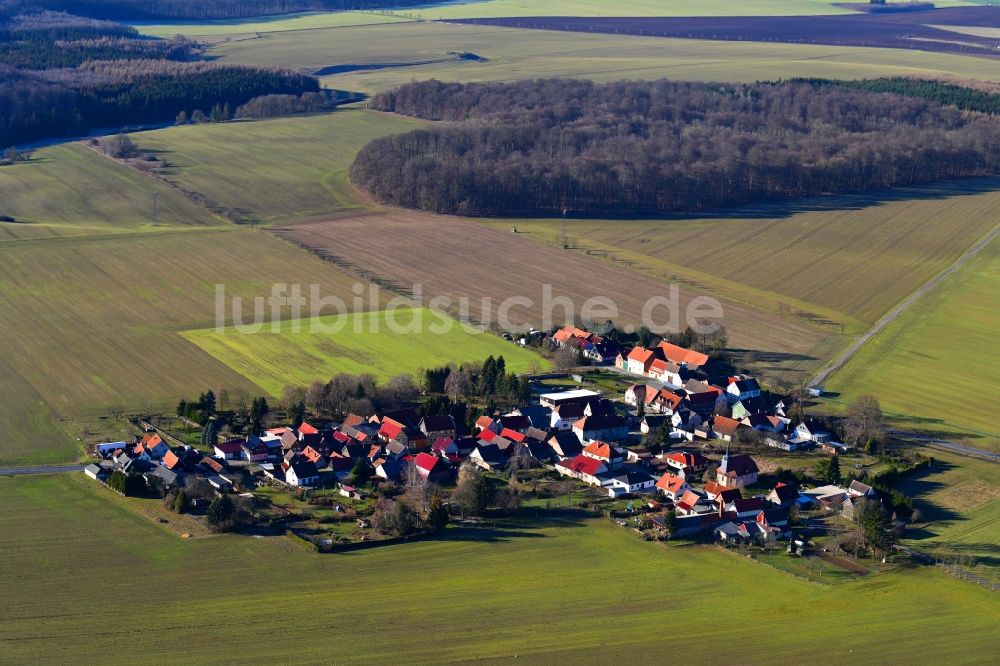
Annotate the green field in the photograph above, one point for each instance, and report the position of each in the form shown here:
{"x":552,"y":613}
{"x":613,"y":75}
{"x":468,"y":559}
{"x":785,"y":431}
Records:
{"x":518,"y":54}
{"x":574,"y":589}
{"x":70,"y":190}
{"x":228,"y":28}
{"x":365,"y":343}
{"x":960,"y":499}
{"x":490,"y":8}
{"x":279,"y":170}
{"x":949,"y":335}
{"x":847,"y":259}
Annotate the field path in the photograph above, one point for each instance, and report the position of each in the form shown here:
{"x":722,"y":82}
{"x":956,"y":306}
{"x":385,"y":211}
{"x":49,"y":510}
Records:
{"x":903,"y":306}
{"x":47,"y":469}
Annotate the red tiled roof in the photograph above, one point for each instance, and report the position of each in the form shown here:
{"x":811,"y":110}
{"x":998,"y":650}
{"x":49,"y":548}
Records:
{"x":641,"y":355}
{"x":390,"y":429}
{"x":682,"y":355}
{"x":170,"y":460}
{"x":307,"y":429}
{"x":601,"y":450}
{"x":670,"y":483}
{"x":484,"y":422}
{"x":512,"y":435}
{"x":426,"y":461}
{"x":582,"y":465}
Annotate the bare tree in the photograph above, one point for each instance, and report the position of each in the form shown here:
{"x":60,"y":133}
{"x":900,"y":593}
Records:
{"x":865,"y":424}
{"x":566,"y":358}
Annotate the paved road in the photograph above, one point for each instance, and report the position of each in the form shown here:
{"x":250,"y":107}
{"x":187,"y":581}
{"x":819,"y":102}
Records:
{"x":53,"y":469}
{"x":903,"y":307}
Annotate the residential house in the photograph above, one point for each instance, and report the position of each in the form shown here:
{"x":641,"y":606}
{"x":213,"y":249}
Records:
{"x":687,"y":463}
{"x":688,"y":358}
{"x":725,"y":428}
{"x":583,"y":467}
{"x":858,"y":489}
{"x":431,"y":467}
{"x":565,"y":445}
{"x":604,"y":452}
{"x":488,"y":457}
{"x":255,"y":451}
{"x":639,"y":360}
{"x":717,"y":493}
{"x":301,"y":472}
{"x":630,"y":483}
{"x":231,"y":450}
{"x":652,"y":423}
{"x":774,"y":523}
{"x":435,"y":427}
{"x":743,"y":389}
{"x":600,"y":427}
{"x":749,"y":407}
{"x":151,"y":447}
{"x":783,"y":495}
{"x":391,"y":470}
{"x":737,"y":471}
{"x":812,"y":431}
{"x":672,"y":486}
{"x":706,"y":403}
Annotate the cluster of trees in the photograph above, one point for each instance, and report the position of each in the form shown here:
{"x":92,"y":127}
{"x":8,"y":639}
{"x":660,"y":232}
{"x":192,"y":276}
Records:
{"x":199,"y":410}
{"x":130,"y":485}
{"x":63,"y":75}
{"x":967,"y":99}
{"x":129,"y":10}
{"x":490,"y":380}
{"x":346,"y":393}
{"x":553,"y":147}
{"x":270,"y":106}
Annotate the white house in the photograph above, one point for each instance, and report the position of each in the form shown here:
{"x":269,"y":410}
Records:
{"x":301,"y":472}
{"x":629,"y":483}
{"x":672,"y":486}
{"x":742,"y":389}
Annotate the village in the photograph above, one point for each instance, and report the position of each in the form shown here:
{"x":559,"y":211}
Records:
{"x":676,"y":454}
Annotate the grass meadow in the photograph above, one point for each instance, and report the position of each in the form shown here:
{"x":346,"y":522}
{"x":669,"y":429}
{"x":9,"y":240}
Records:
{"x":948,"y":336}
{"x":517,"y":54}
{"x":960,"y":499}
{"x":542,"y":590}
{"x":299,"y":352}
{"x":278,"y":170}
{"x":847,"y":259}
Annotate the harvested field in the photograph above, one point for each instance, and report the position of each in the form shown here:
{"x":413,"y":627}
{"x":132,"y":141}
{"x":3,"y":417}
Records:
{"x":458,"y":258}
{"x":905,"y":30}
{"x":848,"y":258}
{"x":93,"y":323}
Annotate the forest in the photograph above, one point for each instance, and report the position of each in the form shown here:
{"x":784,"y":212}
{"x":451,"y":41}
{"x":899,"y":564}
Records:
{"x":967,"y":99}
{"x":550,"y":147}
{"x":65,"y":75}
{"x":133,"y":10}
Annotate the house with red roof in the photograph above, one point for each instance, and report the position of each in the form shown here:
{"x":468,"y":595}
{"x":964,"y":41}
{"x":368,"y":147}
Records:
{"x":684,"y":357}
{"x":431,"y":467}
{"x":231,"y":450}
{"x":688,"y":462}
{"x":604,"y":452}
{"x":639,"y":360}
{"x":672,"y":486}
{"x":584,"y":468}
{"x":171,"y":461}
{"x":151,"y":447}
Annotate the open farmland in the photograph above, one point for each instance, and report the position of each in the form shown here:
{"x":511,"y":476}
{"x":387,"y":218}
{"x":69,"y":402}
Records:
{"x":903,"y":30}
{"x":950,"y":332}
{"x":91,"y":323}
{"x":457,"y":258}
{"x":474,"y":8}
{"x":251,"y":27}
{"x":56,"y":523}
{"x":374,"y":55}
{"x":276,"y":170}
{"x":70,"y":190}
{"x":848,"y":259}
{"x":300,"y":352}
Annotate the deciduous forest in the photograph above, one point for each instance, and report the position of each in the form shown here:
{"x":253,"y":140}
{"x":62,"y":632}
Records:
{"x":636,"y":148}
